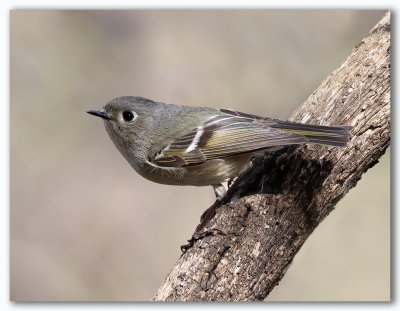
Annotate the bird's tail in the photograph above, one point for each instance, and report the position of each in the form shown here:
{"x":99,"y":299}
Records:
{"x":326,"y":135}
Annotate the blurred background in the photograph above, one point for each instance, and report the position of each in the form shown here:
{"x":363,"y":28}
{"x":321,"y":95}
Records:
{"x":85,"y":226}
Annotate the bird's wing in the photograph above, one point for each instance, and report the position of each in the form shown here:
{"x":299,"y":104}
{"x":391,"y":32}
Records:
{"x":338,"y":135}
{"x":223,"y":136}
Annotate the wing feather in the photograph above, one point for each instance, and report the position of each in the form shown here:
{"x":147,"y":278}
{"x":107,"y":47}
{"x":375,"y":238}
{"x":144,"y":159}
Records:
{"x":221,"y":137}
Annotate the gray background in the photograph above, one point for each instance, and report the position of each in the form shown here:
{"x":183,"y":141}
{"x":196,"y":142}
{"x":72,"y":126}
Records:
{"x":85,"y":226}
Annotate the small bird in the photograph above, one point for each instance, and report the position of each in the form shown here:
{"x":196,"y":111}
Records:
{"x":199,"y":146}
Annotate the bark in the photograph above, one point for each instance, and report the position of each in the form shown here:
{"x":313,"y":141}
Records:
{"x":278,"y":202}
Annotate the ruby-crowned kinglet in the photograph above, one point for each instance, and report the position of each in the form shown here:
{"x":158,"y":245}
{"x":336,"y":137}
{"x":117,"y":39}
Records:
{"x":182,"y":145}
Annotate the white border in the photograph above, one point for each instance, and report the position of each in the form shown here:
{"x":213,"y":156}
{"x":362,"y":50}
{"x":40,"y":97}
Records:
{"x":6,"y":6}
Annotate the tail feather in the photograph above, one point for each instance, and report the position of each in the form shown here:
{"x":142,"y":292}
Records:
{"x":327,"y":135}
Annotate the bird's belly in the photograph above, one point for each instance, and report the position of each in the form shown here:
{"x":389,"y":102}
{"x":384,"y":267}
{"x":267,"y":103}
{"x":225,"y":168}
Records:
{"x":210,"y":172}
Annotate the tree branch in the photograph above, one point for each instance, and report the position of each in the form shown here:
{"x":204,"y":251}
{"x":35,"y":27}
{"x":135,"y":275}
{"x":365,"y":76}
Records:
{"x":278,"y":202}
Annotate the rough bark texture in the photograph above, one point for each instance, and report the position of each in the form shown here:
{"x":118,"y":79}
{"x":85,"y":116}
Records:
{"x":278,"y":202}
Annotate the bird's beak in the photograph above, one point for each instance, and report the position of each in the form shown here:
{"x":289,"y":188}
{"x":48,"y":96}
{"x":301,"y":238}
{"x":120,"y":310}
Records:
{"x":99,"y":113}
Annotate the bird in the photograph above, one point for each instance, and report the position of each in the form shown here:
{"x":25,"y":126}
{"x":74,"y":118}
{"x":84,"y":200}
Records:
{"x":201,"y":146}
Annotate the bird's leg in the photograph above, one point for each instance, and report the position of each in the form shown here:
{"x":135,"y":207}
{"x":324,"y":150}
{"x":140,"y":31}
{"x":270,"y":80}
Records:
{"x":230,"y":181}
{"x":220,"y":192}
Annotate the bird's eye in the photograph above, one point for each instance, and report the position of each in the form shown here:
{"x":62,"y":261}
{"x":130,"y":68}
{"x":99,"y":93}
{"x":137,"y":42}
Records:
{"x":128,"y":116}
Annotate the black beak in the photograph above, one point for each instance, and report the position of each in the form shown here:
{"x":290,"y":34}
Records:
{"x":101,"y":114}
